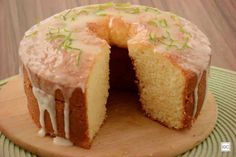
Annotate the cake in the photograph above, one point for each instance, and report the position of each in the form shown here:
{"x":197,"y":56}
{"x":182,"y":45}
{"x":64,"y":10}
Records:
{"x":70,"y":60}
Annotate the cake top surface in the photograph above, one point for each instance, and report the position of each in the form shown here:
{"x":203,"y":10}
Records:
{"x":60,"y":47}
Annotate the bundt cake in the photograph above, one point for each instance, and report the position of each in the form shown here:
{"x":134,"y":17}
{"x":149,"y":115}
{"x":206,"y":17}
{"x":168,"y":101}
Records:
{"x":69,"y":58}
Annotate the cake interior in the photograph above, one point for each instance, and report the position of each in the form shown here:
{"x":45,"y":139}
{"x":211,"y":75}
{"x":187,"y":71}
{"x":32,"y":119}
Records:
{"x":97,"y":93}
{"x":120,"y":76}
{"x":160,"y":82}
{"x":160,"y":87}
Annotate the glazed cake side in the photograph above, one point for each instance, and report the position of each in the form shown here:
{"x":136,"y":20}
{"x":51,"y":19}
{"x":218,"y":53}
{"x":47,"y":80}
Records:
{"x":78,"y":120}
{"x":80,"y":130}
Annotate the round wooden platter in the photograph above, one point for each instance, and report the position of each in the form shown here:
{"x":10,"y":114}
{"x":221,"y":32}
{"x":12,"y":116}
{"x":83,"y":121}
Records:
{"x":125,"y":132}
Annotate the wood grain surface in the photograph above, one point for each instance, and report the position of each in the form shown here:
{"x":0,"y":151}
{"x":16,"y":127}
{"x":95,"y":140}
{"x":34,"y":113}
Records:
{"x":125,"y":132}
{"x":216,"y":18}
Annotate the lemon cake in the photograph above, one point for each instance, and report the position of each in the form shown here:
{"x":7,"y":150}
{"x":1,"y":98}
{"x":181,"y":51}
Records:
{"x":70,"y":60}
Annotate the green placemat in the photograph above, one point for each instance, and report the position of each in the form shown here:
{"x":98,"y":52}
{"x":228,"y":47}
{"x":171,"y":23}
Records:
{"x":222,"y":84}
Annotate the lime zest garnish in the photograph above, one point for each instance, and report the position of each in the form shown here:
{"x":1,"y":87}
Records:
{"x":152,"y":37}
{"x":65,"y":16}
{"x":163,"y":23}
{"x":185,"y":45}
{"x":158,"y":23}
{"x":101,"y":13}
{"x":78,"y":57}
{"x":122,"y":5}
{"x":126,"y":7}
{"x":30,"y":34}
{"x":66,"y":36}
{"x":135,"y":10}
{"x":147,"y":9}
{"x":105,"y":5}
{"x":71,"y":14}
{"x":174,"y":17}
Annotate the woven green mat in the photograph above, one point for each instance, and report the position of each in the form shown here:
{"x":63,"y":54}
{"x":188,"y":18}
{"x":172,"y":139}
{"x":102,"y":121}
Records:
{"x":222,"y":84}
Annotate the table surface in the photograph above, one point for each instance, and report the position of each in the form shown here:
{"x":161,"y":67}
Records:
{"x":216,"y":18}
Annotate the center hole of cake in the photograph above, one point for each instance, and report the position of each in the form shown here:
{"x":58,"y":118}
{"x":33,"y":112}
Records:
{"x":122,"y":74}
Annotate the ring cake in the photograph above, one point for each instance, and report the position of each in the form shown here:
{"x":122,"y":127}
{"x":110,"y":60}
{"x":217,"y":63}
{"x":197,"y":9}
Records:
{"x":69,"y":58}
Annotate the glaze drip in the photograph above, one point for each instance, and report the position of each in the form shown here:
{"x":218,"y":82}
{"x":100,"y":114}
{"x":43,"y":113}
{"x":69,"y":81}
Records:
{"x":196,"y":92}
{"x":66,"y":119}
{"x":62,"y":141}
{"x":46,"y":102}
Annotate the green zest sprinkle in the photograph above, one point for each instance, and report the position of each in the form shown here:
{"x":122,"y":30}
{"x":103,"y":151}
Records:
{"x":153,"y":23}
{"x":78,"y":57}
{"x":65,"y":16}
{"x":54,"y":33}
{"x":66,"y":44}
{"x":181,"y":29}
{"x":105,"y":5}
{"x":187,"y":36}
{"x":122,"y":5}
{"x":101,"y":13}
{"x":152,"y":37}
{"x":80,"y":12}
{"x":185,"y":45}
{"x":173,"y":17}
{"x":66,"y":36}
{"x":133,"y":10}
{"x":148,"y":9}
{"x":31,"y":34}
{"x":158,"y":23}
{"x":163,"y":23}
{"x":108,"y":4}
{"x":71,"y":14}
{"x":168,"y":41}
{"x":126,"y":7}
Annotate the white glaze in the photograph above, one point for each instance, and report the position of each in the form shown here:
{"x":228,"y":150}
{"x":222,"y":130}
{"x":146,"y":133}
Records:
{"x":60,"y":67}
{"x":46,"y":102}
{"x":67,"y":95}
{"x":206,"y":90}
{"x":42,"y":132}
{"x":110,"y":22}
{"x":66,"y":119}
{"x":196,"y":94}
{"x":62,"y":141}
{"x":199,"y":77}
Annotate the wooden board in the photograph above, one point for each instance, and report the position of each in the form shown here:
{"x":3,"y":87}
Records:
{"x":126,"y":131}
